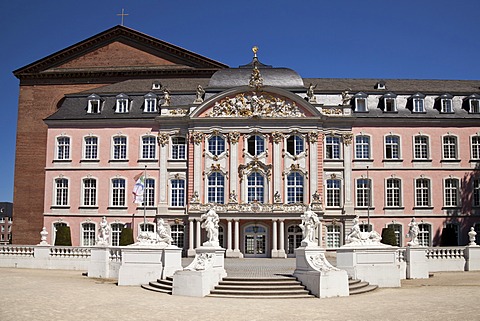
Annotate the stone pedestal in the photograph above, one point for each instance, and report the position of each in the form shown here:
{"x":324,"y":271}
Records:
{"x":377,"y":266}
{"x":472,"y":257}
{"x":202,"y":275}
{"x":318,"y":275}
{"x":171,"y":261}
{"x":140,"y":265}
{"x":417,"y":266}
{"x":235,"y":253}
{"x":98,"y":267}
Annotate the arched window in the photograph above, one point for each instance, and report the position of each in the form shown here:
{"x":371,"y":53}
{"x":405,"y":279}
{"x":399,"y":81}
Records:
{"x":450,"y":147}
{"x":216,"y":145}
{"x":363,"y":192}
{"x":451,"y":192}
{"x":120,"y":148}
{"x":118,"y":192}
{"x":422,"y":192}
{"x":392,"y":147}
{"x":63,"y":148}
{"x":177,"y":232}
{"x":90,"y":147}
{"x":89,"y":192}
{"x":88,"y":234}
{"x":55,"y":226}
{"x":332,"y":147}
{"x":216,"y":188}
{"x":255,"y":188}
{"x":421,"y":147}
{"x":294,"y":188}
{"x":295,"y":145}
{"x":150,"y":227}
{"x":256,"y":145}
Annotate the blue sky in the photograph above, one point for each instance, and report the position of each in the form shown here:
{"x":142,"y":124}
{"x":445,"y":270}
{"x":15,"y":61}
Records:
{"x":421,"y":39}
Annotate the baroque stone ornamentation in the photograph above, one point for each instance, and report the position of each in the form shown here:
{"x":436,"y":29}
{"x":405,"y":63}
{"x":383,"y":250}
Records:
{"x":313,"y":136}
{"x":215,"y":167}
{"x":250,"y":207}
{"x":311,"y":94}
{"x":43,"y":235}
{"x":104,"y":231}
{"x":197,"y":137}
{"x":195,"y":198}
{"x":347,"y":138}
{"x":163,"y":138}
{"x":316,"y":197}
{"x":254,"y":165}
{"x":346,"y":98}
{"x":309,"y":224}
{"x":199,"y":95}
{"x":251,"y":105}
{"x":471,"y":237}
{"x":166,"y":97}
{"x":320,"y":263}
{"x":332,"y":111}
{"x":234,"y":137}
{"x":358,"y":238}
{"x":210,"y":224}
{"x":277,"y":137}
{"x":201,"y":262}
{"x":163,"y":234}
{"x":233,"y":197}
{"x":178,"y":112}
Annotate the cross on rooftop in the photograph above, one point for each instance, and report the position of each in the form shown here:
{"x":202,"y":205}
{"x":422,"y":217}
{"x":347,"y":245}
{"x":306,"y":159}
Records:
{"x":122,"y":14}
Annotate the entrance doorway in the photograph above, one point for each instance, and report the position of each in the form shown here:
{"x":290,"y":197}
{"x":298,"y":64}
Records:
{"x":294,"y":238}
{"x":255,"y":241}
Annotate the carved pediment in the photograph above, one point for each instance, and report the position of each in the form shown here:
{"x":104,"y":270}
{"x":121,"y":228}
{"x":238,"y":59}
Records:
{"x":254,"y":165}
{"x":253,"y":104}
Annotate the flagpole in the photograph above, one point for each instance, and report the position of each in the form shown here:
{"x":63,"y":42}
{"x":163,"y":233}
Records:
{"x":144,"y":199}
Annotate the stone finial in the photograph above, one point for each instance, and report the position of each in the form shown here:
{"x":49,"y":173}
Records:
{"x":472,"y":237}
{"x":43,"y":234}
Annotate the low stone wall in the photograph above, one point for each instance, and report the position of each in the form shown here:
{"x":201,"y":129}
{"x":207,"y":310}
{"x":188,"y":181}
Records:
{"x":441,"y":259}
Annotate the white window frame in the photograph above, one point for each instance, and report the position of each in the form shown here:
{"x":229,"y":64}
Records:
{"x":149,"y":193}
{"x":295,"y":184}
{"x":392,"y":148}
{"x":118,"y":193}
{"x":393,"y":192}
{"x":256,"y":191}
{"x":94,"y":106}
{"x":418,"y":105}
{"x":90,"y":150}
{"x":178,"y":149}
{"x":398,"y":229}
{"x":116,"y":232}
{"x":475,"y":147}
{"x":421,"y":149}
{"x":63,"y":150}
{"x":450,"y":147}
{"x":333,"y":235}
{"x":295,"y":142}
{"x":177,"y":192}
{"x":451,"y":192}
{"x":88,"y":236}
{"x":333,"y":147}
{"x":333,"y":194}
{"x":216,"y":188}
{"x":89,"y":193}
{"x":259,"y":144}
{"x":148,"y":147}
{"x":177,"y":232}
{"x":119,"y":149}
{"x":363,"y":192}
{"x":216,"y":145}
{"x":388,"y":106}
{"x":360,"y":149}
{"x":122,"y":105}
{"x":150,"y":104}
{"x":446,"y":105}
{"x":423,"y":192}
{"x":361,"y":102}
{"x":61,"y":195}
{"x":425,"y":234}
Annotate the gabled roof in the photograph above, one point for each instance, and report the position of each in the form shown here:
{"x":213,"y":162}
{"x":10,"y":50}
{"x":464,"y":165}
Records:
{"x":178,"y":57}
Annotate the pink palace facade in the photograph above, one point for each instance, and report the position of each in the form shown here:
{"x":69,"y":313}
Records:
{"x":259,"y":144}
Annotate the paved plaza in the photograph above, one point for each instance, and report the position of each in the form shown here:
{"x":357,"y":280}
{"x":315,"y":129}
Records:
{"x":31,"y":294}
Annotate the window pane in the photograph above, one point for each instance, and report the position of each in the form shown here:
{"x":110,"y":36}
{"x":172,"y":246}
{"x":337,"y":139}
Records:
{"x":294,"y":188}
{"x":178,"y":192}
{"x":255,"y":188}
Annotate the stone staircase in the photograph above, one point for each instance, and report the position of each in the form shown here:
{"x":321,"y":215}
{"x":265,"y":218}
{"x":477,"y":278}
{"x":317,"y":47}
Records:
{"x":259,"y":288}
{"x":162,"y":286}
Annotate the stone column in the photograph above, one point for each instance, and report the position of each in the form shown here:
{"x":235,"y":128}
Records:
{"x":233,"y":175}
{"x":236,"y":250}
{"x":163,"y":139}
{"x":199,"y":233}
{"x":197,"y":165}
{"x":274,"y":238}
{"x":313,"y":169}
{"x":281,"y":250}
{"x":277,"y":170}
{"x":229,"y":237}
{"x":347,"y":180}
{"x":191,"y":247}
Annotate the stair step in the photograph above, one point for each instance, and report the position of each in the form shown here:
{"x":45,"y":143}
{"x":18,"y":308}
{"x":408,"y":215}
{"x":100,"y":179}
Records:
{"x":298,"y":296}
{"x":259,"y":287}
{"x":169,"y":282}
{"x":259,"y":292}
{"x":353,"y":281}
{"x":155,"y":289}
{"x":358,"y":285}
{"x":250,"y":282}
{"x":246,"y":279}
{"x":161,"y":286}
{"x":365,"y":289}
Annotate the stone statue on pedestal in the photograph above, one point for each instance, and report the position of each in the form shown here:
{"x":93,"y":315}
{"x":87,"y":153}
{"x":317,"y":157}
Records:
{"x":472,"y":236}
{"x":309,"y":224}
{"x":163,"y":234}
{"x":199,"y":95}
{"x":210,"y":224}
{"x":104,"y":233}
{"x":413,"y":233}
{"x":358,"y":238}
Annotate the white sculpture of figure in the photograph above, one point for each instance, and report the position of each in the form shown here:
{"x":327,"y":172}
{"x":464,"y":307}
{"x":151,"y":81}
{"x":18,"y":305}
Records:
{"x":309,"y":224}
{"x":103,"y":233}
{"x":345,"y":98}
{"x":166,"y":97}
{"x":310,"y":93}
{"x":472,"y":236}
{"x":195,"y":198}
{"x":233,"y":197}
{"x":163,"y":234}
{"x":210,"y":224}
{"x":355,"y":233}
{"x":413,"y":233}
{"x":43,"y":234}
{"x":199,"y":95}
{"x":277,"y":198}
{"x":358,"y":238}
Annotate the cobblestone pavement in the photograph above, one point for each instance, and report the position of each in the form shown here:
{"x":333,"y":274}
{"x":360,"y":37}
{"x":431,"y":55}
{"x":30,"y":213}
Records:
{"x":38,"y":295}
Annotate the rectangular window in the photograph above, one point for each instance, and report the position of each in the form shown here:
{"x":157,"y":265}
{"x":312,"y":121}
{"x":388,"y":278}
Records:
{"x":333,"y":236}
{"x":122,"y":106}
{"x":91,"y":148}
{"x":63,"y":148}
{"x":397,"y":228}
{"x":150,"y":105}
{"x":149,"y":193}
{"x":363,"y":192}
{"x":475,"y":143}
{"x":476,"y":192}
{"x":451,"y":192}
{"x":116,"y":232}
{"x":61,"y":192}
{"x":362,"y":147}
{"x":424,"y":234}
{"x":88,"y":234}
{"x":474,"y":106}
{"x":177,"y":192}
{"x":333,"y":192}
{"x":255,"y":188}
{"x":449,"y":147}
{"x":447,"y":106}
{"x":149,"y":147}
{"x":216,"y":188}
{"x":393,"y":193}
{"x":420,"y":147}
{"x":422,"y":192}
{"x":361,"y":105}
{"x":178,"y":148}
{"x":332,"y":147}
{"x":390,"y":105}
{"x":120,"y":147}
{"x":89,"y":192}
{"x":294,"y":188}
{"x":118,"y":192}
{"x":93,"y":107}
{"x":418,"y":105}
{"x":392,"y":147}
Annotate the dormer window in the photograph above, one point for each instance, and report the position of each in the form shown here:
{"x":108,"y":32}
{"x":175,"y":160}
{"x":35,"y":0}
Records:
{"x":380,"y":85}
{"x":361,"y":102}
{"x":473,"y":104}
{"x":446,"y":103}
{"x":389,"y":102}
{"x":122,"y":104}
{"x":150,"y":105}
{"x":93,"y":104}
{"x":418,"y":102}
{"x":156,"y":85}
